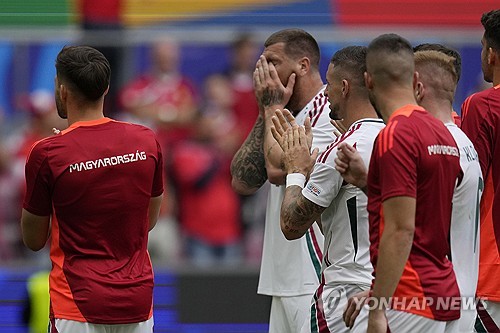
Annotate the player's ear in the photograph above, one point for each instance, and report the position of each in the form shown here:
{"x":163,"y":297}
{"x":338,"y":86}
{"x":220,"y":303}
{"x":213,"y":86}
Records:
{"x":368,"y":81}
{"x":106,"y":92}
{"x":304,"y":65}
{"x":415,"y":79}
{"x":63,"y":92}
{"x":419,"y":91}
{"x":345,"y":88}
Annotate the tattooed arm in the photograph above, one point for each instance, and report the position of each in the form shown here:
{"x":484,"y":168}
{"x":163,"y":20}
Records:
{"x":248,"y":168}
{"x":271,"y":95}
{"x":298,"y":213}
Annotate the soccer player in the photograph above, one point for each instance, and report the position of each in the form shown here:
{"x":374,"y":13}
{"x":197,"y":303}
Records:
{"x":481,"y":123}
{"x":96,"y":188}
{"x":412,"y":175}
{"x":286,"y":75}
{"x":457,"y":63}
{"x":435,"y":92}
{"x":341,"y":207}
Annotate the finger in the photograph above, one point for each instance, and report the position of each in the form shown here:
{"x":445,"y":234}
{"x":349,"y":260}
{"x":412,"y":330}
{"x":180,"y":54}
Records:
{"x":276,"y":135}
{"x":273,"y":73}
{"x":346,"y":316}
{"x":340,"y":166}
{"x":353,"y":317}
{"x":307,"y":125}
{"x":290,"y":137}
{"x":291,"y":82}
{"x":256,"y":79}
{"x":277,"y":126}
{"x":315,"y":153}
{"x":260,"y":68}
{"x":55,"y":131}
{"x":289,"y":117}
{"x":296,"y":136}
{"x":265,"y":67}
{"x":336,"y":131}
{"x":302,"y":136}
{"x":282,"y":120}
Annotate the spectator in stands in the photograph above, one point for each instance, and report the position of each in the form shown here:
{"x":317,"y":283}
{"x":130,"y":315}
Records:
{"x":41,"y":116}
{"x":208,"y":208}
{"x":166,"y":101}
{"x":243,"y":55}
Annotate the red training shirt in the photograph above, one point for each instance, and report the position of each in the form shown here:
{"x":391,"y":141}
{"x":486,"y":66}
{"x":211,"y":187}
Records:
{"x":481,"y":123}
{"x":416,"y":156}
{"x":96,"y":179}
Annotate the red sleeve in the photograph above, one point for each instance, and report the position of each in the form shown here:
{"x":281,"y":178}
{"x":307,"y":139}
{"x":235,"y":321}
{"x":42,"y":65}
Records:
{"x":38,"y":199}
{"x":476,"y":125}
{"x":157,"y":188}
{"x":398,"y":160}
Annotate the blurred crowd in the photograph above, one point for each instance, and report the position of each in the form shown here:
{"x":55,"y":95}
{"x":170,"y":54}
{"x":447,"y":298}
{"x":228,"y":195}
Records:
{"x":199,"y":126}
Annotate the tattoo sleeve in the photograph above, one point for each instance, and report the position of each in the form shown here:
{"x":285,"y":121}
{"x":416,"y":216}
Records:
{"x":297,"y":212}
{"x":271,"y":97}
{"x":248,"y":165}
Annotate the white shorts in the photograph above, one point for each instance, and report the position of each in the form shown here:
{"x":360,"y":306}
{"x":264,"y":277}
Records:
{"x":288,"y":313}
{"x":402,"y":322}
{"x":488,"y":317}
{"x":327,"y":308}
{"x":72,"y":326}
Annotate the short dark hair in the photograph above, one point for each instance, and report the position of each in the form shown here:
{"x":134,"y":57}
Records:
{"x":298,"y":43}
{"x":390,"y":43}
{"x":84,"y":69}
{"x":353,"y":60}
{"x":457,"y":62}
{"x":491,"y":24}
{"x":390,"y":59}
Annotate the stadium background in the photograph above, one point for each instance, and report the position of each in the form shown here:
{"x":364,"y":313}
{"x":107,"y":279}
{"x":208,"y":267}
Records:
{"x":33,"y":31}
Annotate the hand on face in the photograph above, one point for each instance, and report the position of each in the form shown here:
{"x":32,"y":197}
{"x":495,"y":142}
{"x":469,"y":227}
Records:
{"x":269,"y":90}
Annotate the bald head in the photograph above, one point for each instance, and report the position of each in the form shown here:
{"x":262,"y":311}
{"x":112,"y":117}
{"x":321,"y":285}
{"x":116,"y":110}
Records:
{"x":437,"y":73}
{"x":389,"y":61}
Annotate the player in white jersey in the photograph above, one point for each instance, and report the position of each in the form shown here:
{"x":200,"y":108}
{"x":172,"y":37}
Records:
{"x":435,"y":92}
{"x":346,"y":266}
{"x":286,"y":75}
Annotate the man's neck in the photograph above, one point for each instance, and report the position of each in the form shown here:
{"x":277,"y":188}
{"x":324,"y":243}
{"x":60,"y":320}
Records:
{"x":358,"y":109}
{"x":440,"y":109}
{"x":392,"y":100}
{"x":85,"y":113}
{"x":496,"y":76}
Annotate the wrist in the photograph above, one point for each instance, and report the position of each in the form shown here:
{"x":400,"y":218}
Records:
{"x":295,"y":178}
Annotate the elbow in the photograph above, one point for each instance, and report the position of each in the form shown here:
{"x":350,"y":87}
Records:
{"x":240,"y":187}
{"x":290,"y":233}
{"x":34,"y":245}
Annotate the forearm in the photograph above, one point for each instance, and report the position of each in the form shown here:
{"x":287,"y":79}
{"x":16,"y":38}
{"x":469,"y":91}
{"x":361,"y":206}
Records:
{"x":248,"y":167}
{"x":273,"y":153}
{"x":394,"y":250}
{"x":154,"y":211}
{"x":297,"y":213}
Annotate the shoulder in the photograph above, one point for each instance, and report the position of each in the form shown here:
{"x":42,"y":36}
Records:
{"x":40,"y":149}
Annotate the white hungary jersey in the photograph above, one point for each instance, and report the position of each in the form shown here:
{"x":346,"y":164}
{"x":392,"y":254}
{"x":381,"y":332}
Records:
{"x":346,"y":257}
{"x":292,"y":268}
{"x":464,"y":230}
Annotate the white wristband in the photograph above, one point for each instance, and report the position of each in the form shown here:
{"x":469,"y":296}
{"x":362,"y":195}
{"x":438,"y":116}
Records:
{"x":295,"y":179}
